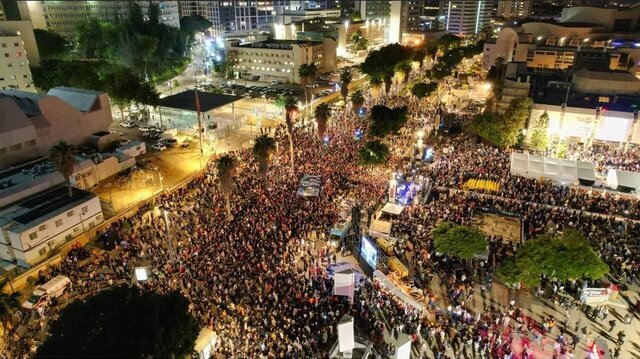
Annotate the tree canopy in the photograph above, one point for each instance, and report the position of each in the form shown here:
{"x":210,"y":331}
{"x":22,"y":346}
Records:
{"x":50,"y":44}
{"x":373,"y":153}
{"x":382,"y":63}
{"x":539,"y":138}
{"x":459,"y":241}
{"x":423,"y":89}
{"x":123,"y":322}
{"x":385,"y":120}
{"x":501,"y":128}
{"x":568,"y":256}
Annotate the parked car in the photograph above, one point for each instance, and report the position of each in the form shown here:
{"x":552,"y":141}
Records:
{"x":186,"y":143}
{"x":124,"y":142}
{"x":275,"y":82}
{"x":42,"y":295}
{"x":128,"y":124}
{"x":145,"y":128}
{"x":169,"y":142}
{"x":159,"y":146}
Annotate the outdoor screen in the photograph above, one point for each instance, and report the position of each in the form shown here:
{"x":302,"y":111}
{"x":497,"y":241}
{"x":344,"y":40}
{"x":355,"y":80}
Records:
{"x":369,"y":253}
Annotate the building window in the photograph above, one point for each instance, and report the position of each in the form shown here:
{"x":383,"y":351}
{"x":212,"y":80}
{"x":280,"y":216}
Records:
{"x":68,"y":237}
{"x":603,"y":99}
{"x":42,"y":227}
{"x":99,"y":217}
{"x":70,"y":213}
{"x":76,"y":229}
{"x":3,"y":151}
{"x":6,"y":54}
{"x":29,"y":143}
{"x":42,"y":251}
{"x":33,"y":235}
{"x":16,"y":147}
{"x":85,"y":209}
{"x":58,"y":223}
{"x":4,"y":45}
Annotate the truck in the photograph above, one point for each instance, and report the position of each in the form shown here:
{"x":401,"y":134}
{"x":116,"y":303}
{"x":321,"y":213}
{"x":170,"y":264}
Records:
{"x":45,"y":293}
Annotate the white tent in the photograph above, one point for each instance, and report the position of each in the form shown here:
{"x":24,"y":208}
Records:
{"x":392,"y":208}
{"x":396,"y":291}
{"x":556,"y":169}
{"x":623,"y":180}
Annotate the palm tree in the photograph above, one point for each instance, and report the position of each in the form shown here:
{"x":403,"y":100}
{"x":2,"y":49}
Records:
{"x":306,"y":72}
{"x":323,"y":111}
{"x":62,"y":157}
{"x":290,"y":106}
{"x":8,"y":303}
{"x":403,"y":69}
{"x":419,"y":55}
{"x":345,"y":78}
{"x":264,"y":147}
{"x":357,"y":100}
{"x":226,"y":166}
{"x":376,"y":85}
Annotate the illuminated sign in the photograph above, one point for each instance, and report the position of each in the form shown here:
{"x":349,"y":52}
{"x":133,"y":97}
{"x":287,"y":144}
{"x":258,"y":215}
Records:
{"x":369,"y":252}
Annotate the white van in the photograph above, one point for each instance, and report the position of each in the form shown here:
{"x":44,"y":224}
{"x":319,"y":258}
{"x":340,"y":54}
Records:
{"x":45,"y":293}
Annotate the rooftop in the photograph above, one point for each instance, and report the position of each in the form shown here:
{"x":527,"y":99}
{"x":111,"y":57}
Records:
{"x":80,"y":99}
{"x":186,"y":100}
{"x":279,"y":44}
{"x":42,"y":206}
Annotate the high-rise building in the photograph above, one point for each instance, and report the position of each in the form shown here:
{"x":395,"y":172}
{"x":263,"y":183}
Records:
{"x":14,"y":67}
{"x":464,"y":17}
{"x":233,"y":15}
{"x":514,"y":8}
{"x":398,"y":20}
{"x":63,"y":16}
{"x":374,"y":9}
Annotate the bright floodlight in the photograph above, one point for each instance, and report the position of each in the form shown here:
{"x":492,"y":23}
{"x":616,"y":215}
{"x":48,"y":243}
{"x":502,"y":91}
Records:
{"x":141,"y":274}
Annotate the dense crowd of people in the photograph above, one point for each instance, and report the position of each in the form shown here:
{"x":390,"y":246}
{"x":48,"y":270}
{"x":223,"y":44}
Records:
{"x":261,"y":283}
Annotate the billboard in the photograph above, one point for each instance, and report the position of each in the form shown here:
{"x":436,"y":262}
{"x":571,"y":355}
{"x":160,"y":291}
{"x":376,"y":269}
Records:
{"x":369,"y":252}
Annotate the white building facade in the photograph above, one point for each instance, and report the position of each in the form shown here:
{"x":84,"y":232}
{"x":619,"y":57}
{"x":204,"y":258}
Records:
{"x":279,"y":60}
{"x":14,"y":65}
{"x":33,"y":228}
{"x":465,"y":18}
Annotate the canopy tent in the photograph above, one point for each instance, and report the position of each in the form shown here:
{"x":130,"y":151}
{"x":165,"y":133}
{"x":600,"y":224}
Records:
{"x":392,"y":208}
{"x":623,"y":181}
{"x":393,"y":288}
{"x":556,"y":169}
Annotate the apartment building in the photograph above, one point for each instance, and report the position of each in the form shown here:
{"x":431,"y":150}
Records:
{"x":34,"y":227}
{"x":510,"y":9}
{"x":465,"y":18}
{"x":14,"y":64}
{"x":63,"y":16}
{"x":279,"y":60}
{"x":30,"y":124}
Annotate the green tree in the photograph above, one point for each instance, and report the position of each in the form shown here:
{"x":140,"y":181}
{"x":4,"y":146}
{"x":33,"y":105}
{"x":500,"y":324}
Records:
{"x":373,"y":153}
{"x":404,"y":69}
{"x":123,"y":87}
{"x":385,"y":120}
{"x":566,"y":257}
{"x":290,"y":106}
{"x":50,"y":44}
{"x":502,"y":128}
{"x":8,"y":304}
{"x":358,"y":42}
{"x":345,"y":79}
{"x":226,"y":167}
{"x":322,"y":113}
{"x":418,"y":55}
{"x":263,"y":149}
{"x":123,"y":322}
{"x":459,"y":241}
{"x":90,"y":39}
{"x":62,"y":157}
{"x":375,"y":83}
{"x":306,"y":72}
{"x":382,"y":63}
{"x":422,"y":89}
{"x":539,"y":134}
{"x":147,"y":46}
{"x":357,"y":100}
